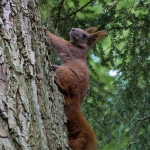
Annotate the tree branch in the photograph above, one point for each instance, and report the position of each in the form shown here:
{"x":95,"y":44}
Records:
{"x":66,"y":17}
{"x":137,"y":127}
{"x":142,"y":119}
{"x":59,"y":12}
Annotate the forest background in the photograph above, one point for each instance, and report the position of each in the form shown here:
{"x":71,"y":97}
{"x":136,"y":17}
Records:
{"x":117,"y":104}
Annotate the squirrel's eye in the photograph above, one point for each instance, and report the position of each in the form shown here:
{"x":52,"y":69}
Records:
{"x":84,"y":35}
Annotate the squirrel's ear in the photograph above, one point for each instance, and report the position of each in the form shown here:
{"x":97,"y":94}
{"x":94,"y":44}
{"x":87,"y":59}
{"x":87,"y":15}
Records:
{"x":91,"y":30}
{"x":96,"y":37}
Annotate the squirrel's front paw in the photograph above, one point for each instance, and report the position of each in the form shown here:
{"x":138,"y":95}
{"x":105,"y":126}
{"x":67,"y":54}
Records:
{"x":54,"y":67}
{"x":45,"y":29}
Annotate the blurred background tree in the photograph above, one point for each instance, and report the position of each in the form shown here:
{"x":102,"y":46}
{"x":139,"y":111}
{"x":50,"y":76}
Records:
{"x":117,"y":104}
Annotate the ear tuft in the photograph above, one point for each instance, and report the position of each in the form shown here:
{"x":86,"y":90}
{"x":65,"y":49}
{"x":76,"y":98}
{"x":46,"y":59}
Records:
{"x":91,"y":30}
{"x":95,"y":37}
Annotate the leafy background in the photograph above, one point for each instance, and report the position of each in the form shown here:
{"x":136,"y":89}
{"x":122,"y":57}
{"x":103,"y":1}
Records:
{"x":117,"y":104}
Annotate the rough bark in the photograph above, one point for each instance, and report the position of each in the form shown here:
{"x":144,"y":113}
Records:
{"x":31,"y":107}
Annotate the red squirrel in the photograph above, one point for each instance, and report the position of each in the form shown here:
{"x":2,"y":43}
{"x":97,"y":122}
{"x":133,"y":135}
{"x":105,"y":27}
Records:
{"x":72,"y":79}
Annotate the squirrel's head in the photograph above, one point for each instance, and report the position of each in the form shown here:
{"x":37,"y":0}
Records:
{"x":84,"y":38}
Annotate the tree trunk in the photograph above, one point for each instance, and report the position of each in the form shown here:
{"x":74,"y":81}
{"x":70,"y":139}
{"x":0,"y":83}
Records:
{"x":31,"y":107}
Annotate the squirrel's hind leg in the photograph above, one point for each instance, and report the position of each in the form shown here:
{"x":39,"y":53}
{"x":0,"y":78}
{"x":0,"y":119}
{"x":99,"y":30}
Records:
{"x":62,"y":88}
{"x":78,"y":144}
{"x":66,"y":81}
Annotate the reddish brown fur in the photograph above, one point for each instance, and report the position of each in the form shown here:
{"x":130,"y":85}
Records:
{"x":72,"y":79}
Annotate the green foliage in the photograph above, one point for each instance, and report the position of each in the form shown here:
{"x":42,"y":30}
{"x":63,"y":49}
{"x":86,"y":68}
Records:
{"x":113,"y":104}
